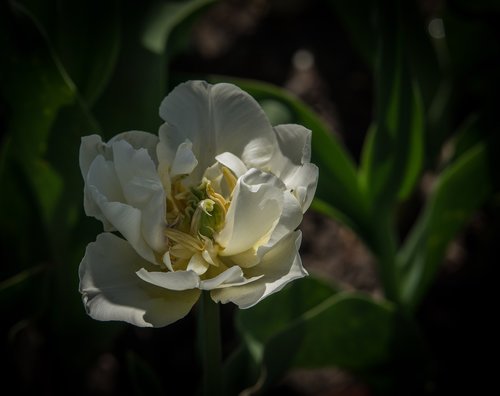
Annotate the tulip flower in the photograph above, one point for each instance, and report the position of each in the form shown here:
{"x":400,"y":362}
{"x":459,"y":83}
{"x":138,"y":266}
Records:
{"x":212,"y":202}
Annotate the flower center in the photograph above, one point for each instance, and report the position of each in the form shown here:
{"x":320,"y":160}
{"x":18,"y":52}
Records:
{"x":194,"y":216}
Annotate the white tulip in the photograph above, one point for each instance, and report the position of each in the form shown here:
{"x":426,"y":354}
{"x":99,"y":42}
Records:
{"x":213,"y":203}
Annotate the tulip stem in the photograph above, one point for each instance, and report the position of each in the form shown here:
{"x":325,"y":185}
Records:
{"x":210,"y":345}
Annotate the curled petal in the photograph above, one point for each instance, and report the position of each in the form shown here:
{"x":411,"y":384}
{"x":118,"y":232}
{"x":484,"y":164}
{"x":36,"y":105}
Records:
{"x":101,"y":185}
{"x":278,"y":267}
{"x":198,"y":264}
{"x":230,"y":277}
{"x":303,"y":184}
{"x":291,"y":163}
{"x":233,"y":163}
{"x":294,"y":142}
{"x":289,"y":220}
{"x":184,"y":160}
{"x":127,"y":220}
{"x":253,"y":213}
{"x":111,"y":290}
{"x":129,"y":198}
{"x":92,"y":146}
{"x":178,"y":280}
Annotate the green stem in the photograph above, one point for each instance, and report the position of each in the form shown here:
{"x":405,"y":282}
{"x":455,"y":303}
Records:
{"x":386,"y":254}
{"x":210,"y":345}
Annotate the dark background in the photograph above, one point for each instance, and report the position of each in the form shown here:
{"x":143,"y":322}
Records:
{"x":43,"y":351}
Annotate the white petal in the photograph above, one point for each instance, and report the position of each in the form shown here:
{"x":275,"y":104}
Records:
{"x":295,"y":142}
{"x":230,"y":276}
{"x":167,"y":262}
{"x":104,"y":199}
{"x":101,"y":184}
{"x":138,"y":140}
{"x":216,"y":118}
{"x":143,"y":190}
{"x":184,"y":161}
{"x":122,"y":188}
{"x":303,"y":184}
{"x":253,"y":213}
{"x":258,"y":153}
{"x":279,"y":266}
{"x":127,"y":220}
{"x":92,"y":146}
{"x":169,"y":140}
{"x":198,"y":264}
{"x":178,"y":280}
{"x":290,"y":218}
{"x":232,"y":162}
{"x":111,"y":290}
{"x":291,"y":163}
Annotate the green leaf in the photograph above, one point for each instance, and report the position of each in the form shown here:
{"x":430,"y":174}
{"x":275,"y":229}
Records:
{"x":84,"y":35}
{"x":338,"y":193}
{"x":163,"y":20}
{"x":458,"y":192}
{"x":47,"y":185}
{"x":35,"y":88}
{"x":240,"y":371}
{"x":257,"y":330}
{"x":22,"y":287}
{"x":313,"y":326}
{"x":45,"y":120}
{"x":32,"y":83}
{"x":140,"y":80}
{"x":392,"y":155}
{"x":284,"y":307}
{"x":346,"y":330}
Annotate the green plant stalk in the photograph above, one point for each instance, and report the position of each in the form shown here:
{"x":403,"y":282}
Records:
{"x":386,"y":248}
{"x":210,"y":345}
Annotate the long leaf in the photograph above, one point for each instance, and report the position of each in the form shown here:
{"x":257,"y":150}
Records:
{"x":84,"y":35}
{"x":140,"y":81}
{"x":458,"y":192}
{"x":313,"y":326}
{"x":37,"y":88}
{"x":392,"y":156}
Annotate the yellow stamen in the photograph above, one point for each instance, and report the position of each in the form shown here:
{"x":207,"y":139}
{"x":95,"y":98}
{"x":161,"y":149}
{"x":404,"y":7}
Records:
{"x":230,"y":178}
{"x":217,"y":198}
{"x":184,"y":239}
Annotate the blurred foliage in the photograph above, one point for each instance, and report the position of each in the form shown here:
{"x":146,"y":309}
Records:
{"x":68,"y":69}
